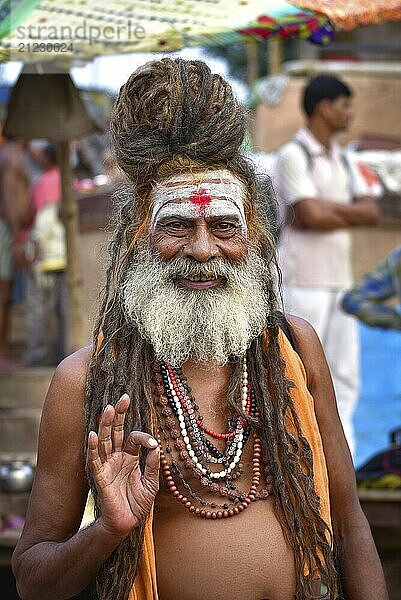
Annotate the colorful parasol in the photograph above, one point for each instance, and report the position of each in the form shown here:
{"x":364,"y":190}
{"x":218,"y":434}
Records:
{"x":34,"y":31}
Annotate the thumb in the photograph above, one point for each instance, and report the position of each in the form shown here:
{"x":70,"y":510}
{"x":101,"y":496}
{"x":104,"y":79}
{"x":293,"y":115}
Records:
{"x":136,"y":439}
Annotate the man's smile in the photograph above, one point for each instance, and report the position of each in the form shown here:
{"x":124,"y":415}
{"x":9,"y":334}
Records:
{"x":200,"y":282}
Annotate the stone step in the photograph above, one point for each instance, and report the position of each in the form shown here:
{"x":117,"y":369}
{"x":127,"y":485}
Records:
{"x":22,"y":394}
{"x":18,"y":324}
{"x":19,"y":429}
{"x":24,"y":388}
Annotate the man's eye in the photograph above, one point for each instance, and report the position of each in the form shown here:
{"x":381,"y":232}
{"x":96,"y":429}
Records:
{"x":225,"y":226}
{"x":176,"y":225}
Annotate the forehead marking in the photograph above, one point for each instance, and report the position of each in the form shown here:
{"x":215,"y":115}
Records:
{"x":201,"y":200}
{"x":199,"y":192}
{"x":187,"y":210}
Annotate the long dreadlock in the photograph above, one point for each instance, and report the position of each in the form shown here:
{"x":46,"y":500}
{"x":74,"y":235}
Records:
{"x":174,"y":116}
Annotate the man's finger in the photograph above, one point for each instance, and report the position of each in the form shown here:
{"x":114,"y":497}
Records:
{"x":104,"y":433}
{"x":136,"y":439}
{"x":94,"y":461}
{"x":117,"y":428}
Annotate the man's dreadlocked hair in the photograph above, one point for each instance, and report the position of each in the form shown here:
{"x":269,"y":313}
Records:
{"x":175,"y":116}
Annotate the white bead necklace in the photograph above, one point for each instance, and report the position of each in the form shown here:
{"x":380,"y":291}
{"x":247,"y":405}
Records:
{"x":239,"y":430}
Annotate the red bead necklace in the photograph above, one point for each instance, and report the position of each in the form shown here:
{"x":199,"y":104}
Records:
{"x":199,"y":421}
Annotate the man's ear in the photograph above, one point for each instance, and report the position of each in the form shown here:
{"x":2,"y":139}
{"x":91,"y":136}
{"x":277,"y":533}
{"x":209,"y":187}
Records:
{"x":324,"y":107}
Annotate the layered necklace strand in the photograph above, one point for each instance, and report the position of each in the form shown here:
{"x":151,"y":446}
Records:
{"x":181,"y":425}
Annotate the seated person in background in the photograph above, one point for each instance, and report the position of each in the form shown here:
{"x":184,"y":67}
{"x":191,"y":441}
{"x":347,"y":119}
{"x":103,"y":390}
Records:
{"x":376,"y":298}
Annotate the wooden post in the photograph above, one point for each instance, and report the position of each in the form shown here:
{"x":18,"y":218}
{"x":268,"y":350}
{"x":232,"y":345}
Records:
{"x":275,"y":49}
{"x":252,"y":64}
{"x":69,"y":216}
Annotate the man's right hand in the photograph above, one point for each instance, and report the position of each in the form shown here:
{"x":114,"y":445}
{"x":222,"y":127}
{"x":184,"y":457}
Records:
{"x":126,"y":495}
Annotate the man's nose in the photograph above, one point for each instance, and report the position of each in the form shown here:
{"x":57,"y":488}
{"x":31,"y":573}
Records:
{"x":201,"y":245}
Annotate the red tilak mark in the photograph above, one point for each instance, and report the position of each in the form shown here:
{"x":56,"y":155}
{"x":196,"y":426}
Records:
{"x":201,"y":199}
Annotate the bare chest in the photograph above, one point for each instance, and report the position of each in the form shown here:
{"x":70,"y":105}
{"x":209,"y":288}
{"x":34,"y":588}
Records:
{"x":243,"y":558}
{"x":216,"y":536}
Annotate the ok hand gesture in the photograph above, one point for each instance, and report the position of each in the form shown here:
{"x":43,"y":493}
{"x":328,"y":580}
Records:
{"x":126,"y":495}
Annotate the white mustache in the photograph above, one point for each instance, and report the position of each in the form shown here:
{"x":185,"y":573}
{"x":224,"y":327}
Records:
{"x":189,"y":269}
{"x":203,"y":325}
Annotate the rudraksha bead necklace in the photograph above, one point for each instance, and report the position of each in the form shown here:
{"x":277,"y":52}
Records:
{"x":182,"y":426}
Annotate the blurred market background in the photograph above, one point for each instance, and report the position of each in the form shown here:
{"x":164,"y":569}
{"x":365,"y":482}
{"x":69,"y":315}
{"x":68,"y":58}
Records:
{"x":58,"y":84}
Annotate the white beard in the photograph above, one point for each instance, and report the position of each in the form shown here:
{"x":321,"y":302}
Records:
{"x":202,"y":325}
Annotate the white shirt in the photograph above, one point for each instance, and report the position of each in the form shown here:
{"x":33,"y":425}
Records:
{"x":315,"y":258}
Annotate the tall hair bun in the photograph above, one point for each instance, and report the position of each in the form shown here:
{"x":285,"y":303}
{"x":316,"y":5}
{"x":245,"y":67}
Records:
{"x":174,"y":107}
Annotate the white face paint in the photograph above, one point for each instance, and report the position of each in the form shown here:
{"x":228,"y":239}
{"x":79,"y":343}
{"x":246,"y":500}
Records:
{"x":209,"y":194}
{"x":187,"y":210}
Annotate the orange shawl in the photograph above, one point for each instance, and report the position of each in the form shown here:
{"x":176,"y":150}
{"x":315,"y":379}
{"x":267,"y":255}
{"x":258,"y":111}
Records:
{"x":145,"y":583}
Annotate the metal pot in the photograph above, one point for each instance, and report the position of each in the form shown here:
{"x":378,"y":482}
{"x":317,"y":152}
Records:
{"x":16,"y":476}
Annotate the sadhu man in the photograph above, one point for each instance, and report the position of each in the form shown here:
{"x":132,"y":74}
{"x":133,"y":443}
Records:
{"x":210,"y":442}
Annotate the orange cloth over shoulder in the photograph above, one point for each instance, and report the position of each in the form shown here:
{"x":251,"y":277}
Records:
{"x":145,"y":585}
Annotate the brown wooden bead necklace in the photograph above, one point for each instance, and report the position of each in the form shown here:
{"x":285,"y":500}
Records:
{"x":181,"y":426}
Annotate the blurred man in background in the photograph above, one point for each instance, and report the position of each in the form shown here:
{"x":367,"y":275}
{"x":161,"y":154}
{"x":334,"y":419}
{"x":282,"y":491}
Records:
{"x":324,"y":196}
{"x":14,"y":216}
{"x":45,"y":288}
